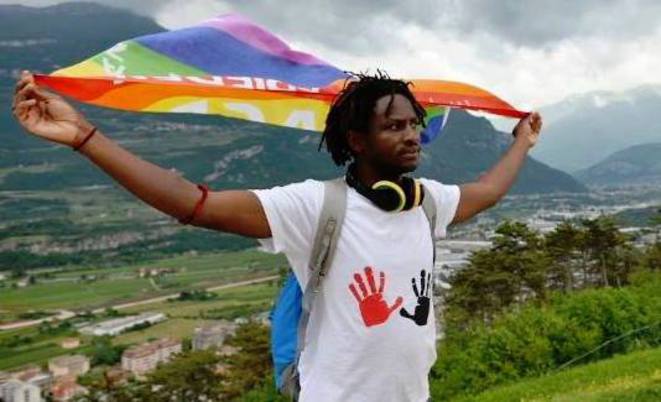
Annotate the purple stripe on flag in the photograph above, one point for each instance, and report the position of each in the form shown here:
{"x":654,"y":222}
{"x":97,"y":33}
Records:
{"x":219,"y":53}
{"x":245,"y":31}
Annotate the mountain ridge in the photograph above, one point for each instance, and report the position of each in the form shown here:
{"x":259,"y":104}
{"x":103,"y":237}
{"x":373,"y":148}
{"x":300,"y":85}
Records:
{"x":637,"y":164}
{"x":192,"y":143}
{"x":586,"y":128}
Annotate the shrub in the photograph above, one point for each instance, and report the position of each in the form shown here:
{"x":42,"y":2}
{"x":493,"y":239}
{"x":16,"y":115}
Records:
{"x":532,"y":340}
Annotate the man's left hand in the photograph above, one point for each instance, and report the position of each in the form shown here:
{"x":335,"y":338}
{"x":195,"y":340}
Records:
{"x":528,"y":129}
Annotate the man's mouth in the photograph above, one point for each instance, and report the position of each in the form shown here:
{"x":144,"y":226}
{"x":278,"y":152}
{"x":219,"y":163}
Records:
{"x":410,"y":154}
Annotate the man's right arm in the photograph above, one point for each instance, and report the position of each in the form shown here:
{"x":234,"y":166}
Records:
{"x":49,"y":116}
{"x":231,"y":211}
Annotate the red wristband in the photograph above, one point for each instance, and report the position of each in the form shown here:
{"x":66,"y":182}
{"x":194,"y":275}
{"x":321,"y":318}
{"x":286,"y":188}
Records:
{"x":198,"y":206}
{"x":87,"y":138}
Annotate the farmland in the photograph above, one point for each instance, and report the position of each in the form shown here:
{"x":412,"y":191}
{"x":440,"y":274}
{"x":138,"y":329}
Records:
{"x":87,"y":288}
{"x":36,"y":345}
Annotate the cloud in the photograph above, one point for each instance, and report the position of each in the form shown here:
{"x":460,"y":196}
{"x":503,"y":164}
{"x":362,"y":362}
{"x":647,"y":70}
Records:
{"x":537,"y":23}
{"x":531,"y":52}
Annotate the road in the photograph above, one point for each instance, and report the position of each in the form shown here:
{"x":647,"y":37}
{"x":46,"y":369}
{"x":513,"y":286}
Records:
{"x":66,"y":314}
{"x":175,"y":295}
{"x":61,"y":315}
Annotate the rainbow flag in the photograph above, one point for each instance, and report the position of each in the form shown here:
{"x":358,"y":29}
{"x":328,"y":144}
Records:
{"x":231,"y":67}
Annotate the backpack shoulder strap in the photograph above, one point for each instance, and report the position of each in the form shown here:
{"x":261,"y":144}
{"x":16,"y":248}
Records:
{"x":328,"y":230}
{"x":429,"y":206}
{"x":323,"y":249}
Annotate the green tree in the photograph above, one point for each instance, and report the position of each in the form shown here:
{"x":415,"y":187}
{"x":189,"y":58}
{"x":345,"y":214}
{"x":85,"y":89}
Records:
{"x":651,"y":259}
{"x":102,"y":388}
{"x":514,"y":270}
{"x":104,"y":352}
{"x":197,"y":375}
{"x":608,"y":250}
{"x":564,"y":245}
{"x":251,"y":364}
{"x":188,"y":377}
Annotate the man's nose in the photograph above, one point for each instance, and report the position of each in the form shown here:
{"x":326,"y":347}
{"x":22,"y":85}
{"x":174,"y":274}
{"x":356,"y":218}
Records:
{"x":412,"y":135}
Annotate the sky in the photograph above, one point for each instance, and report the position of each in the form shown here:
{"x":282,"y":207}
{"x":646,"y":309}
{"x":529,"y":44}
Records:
{"x":531,"y":53}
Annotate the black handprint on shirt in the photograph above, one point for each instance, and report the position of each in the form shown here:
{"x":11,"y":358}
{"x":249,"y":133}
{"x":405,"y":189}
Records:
{"x":421,"y":312}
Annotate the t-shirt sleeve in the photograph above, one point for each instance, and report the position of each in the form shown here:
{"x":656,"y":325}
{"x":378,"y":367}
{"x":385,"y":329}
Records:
{"x":292,"y":212}
{"x":447,"y":201}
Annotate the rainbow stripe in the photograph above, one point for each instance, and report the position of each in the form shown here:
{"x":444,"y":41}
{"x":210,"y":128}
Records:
{"x":231,"y":67}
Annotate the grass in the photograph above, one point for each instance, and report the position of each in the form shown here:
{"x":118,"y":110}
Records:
{"x":634,"y":377}
{"x":184,"y":317}
{"x":73,"y":296}
{"x":243,"y":295}
{"x":119,"y":285}
{"x":177,"y":328}
{"x":38,"y":353}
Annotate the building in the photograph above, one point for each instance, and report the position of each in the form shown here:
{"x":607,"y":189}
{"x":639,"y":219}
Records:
{"x":25,"y":372}
{"x":14,"y":390}
{"x":65,"y":389}
{"x":74,"y":365}
{"x":119,"y":325}
{"x":143,"y":358}
{"x":212,"y":335}
{"x":154,"y":272}
{"x":117,"y":376}
{"x":41,"y":379}
{"x":70,"y":343}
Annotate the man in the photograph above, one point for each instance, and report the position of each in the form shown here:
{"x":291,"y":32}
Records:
{"x":371,"y":334}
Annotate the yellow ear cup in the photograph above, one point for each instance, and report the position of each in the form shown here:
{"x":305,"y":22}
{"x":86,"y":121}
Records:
{"x":417,"y":193}
{"x":388,"y":184}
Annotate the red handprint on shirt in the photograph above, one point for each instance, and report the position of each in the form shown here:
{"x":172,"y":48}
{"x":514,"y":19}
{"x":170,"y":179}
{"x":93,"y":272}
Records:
{"x":373,"y":308}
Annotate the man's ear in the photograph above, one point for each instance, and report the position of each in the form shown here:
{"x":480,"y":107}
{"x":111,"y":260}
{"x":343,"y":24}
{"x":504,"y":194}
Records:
{"x":356,"y":142}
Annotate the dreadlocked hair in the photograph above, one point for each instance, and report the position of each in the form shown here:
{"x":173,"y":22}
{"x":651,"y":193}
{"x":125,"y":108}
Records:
{"x":354,"y":106}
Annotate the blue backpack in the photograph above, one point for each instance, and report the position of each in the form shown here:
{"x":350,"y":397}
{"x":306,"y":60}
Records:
{"x":290,"y":315}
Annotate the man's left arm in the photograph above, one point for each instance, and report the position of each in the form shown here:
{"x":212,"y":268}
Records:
{"x":492,"y":186}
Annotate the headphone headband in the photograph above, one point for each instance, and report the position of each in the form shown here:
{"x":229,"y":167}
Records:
{"x":388,"y":195}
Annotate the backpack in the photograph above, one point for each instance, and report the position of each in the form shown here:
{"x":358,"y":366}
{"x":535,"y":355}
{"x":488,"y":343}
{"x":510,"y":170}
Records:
{"x":290,"y":315}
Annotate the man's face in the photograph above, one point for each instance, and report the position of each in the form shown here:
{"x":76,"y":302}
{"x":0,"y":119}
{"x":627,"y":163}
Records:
{"x":392,"y":144}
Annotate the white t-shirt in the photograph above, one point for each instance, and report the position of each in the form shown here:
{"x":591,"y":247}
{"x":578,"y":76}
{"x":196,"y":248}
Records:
{"x":368,"y":338}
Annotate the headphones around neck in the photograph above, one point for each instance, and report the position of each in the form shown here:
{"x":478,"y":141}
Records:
{"x":388,"y":195}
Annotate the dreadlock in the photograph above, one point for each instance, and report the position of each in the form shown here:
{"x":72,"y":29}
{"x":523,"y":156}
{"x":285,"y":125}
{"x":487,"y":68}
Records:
{"x":353,"y":107}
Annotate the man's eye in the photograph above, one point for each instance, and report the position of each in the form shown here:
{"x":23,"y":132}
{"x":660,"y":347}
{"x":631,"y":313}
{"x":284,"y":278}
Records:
{"x":399,"y":126}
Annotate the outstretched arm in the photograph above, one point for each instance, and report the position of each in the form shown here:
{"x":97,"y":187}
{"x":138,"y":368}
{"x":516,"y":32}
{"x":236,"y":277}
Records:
{"x":49,"y":116}
{"x":493,"y":185}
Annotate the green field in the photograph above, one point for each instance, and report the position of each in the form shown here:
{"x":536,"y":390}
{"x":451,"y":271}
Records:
{"x":177,"y":328}
{"x":227,"y":298}
{"x":118,"y":285}
{"x":634,"y":377}
{"x":183,"y":318}
{"x":40,"y":348}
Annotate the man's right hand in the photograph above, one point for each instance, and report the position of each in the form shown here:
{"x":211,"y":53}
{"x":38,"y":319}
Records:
{"x":47,"y":115}
{"x":51,"y":117}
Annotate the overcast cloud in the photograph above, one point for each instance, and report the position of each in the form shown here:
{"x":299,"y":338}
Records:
{"x":531,"y":52}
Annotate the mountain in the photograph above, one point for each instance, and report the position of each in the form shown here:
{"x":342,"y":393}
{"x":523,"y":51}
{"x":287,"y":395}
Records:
{"x":584,"y":129}
{"x":639,"y":164}
{"x":45,"y":39}
{"x":51,"y":37}
{"x":470,"y":145}
{"x":224,"y":152}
